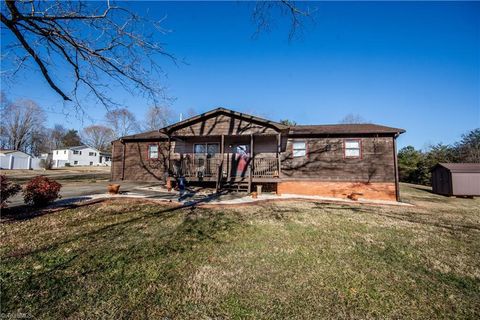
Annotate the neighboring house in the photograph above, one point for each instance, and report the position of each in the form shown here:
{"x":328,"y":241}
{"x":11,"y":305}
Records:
{"x":456,"y":179}
{"x":15,"y":159}
{"x":237,"y":150}
{"x":80,"y":156}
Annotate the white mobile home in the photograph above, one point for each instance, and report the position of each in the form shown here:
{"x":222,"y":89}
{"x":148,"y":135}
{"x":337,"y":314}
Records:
{"x":80,"y":156}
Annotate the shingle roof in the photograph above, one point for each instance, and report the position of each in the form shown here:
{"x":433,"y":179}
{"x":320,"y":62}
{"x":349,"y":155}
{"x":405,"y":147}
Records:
{"x":155,"y":134}
{"x":461,"y":167}
{"x":295,"y":130}
{"x":343,"y":129}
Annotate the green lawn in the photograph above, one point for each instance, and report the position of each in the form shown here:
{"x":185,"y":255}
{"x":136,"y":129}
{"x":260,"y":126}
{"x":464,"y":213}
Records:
{"x":131,"y":259}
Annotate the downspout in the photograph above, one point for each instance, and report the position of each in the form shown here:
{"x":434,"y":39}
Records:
{"x":395,"y":161}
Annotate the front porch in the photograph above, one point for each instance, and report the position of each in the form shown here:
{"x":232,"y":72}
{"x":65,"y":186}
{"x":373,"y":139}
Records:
{"x":227,"y":160}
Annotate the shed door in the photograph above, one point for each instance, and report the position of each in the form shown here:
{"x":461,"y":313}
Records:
{"x":466,"y":184}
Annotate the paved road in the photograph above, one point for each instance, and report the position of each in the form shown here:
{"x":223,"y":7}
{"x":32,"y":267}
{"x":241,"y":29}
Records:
{"x":84,"y":183}
{"x":78,"y":189}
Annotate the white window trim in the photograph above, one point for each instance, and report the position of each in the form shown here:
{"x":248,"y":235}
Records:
{"x":304,"y":149}
{"x":359,"y":141}
{"x":149,"y":152}
{"x":204,"y":154}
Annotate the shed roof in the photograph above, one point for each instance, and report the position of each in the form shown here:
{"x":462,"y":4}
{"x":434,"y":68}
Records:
{"x":344,"y":129}
{"x":461,"y":167}
{"x":5,"y":151}
{"x":8,"y":151}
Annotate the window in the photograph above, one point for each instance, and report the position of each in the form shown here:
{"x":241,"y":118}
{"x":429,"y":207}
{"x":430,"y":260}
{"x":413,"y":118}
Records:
{"x":91,"y":163}
{"x":92,"y":154}
{"x":75,"y":162}
{"x":64,"y":151}
{"x":299,"y":149}
{"x":206,"y":149}
{"x":75,"y":152}
{"x":352,"y":148}
{"x":153,"y":151}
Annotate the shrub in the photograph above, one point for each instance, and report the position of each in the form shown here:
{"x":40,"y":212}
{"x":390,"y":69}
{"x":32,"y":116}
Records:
{"x":8,"y":189}
{"x":40,"y":191}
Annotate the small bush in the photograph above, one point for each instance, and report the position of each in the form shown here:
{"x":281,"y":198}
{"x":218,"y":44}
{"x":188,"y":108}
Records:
{"x":8,"y":189}
{"x":40,"y":191}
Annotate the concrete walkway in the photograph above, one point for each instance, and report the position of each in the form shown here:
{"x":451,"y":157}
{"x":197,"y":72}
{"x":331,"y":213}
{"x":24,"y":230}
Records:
{"x":78,"y":192}
{"x":199,"y":198}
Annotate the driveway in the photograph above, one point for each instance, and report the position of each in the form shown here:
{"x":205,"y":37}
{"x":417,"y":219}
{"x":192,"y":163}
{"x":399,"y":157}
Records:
{"x":84,"y":188}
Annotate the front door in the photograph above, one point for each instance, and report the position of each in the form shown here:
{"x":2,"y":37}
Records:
{"x":240,"y":160}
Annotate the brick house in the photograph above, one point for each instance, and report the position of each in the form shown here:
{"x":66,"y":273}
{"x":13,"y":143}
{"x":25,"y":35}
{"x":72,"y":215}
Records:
{"x":235,"y":150}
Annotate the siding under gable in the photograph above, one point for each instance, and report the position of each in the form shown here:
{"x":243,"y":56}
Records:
{"x":223,"y":124}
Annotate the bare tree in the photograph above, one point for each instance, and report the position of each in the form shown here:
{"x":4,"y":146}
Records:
{"x":57,"y":133}
{"x":158,"y":117}
{"x":21,"y":122}
{"x":98,"y":136}
{"x":40,"y":142}
{"x":122,"y":122}
{"x":190,"y":113}
{"x":99,"y":43}
{"x":353,"y":118}
{"x":296,"y":11}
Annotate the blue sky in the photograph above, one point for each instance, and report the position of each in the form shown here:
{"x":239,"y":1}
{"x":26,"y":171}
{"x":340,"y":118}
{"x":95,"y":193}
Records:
{"x":413,"y":65}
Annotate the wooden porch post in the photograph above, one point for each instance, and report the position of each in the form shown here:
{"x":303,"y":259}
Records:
{"x":279,"y":151}
{"x":168,"y":156}
{"x":220,"y":166}
{"x":250,"y":176}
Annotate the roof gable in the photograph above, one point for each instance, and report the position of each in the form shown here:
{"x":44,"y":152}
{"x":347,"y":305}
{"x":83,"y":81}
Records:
{"x":223,"y":121}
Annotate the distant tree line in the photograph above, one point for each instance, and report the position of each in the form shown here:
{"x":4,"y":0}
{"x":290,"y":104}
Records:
{"x":23,"y":127}
{"x":414,"y":165}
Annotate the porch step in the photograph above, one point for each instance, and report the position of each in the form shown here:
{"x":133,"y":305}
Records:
{"x":239,"y":186}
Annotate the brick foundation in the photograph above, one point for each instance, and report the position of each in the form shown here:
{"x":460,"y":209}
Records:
{"x":375,"y":190}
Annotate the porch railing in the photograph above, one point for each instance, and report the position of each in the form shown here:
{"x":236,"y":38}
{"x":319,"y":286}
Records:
{"x":262,"y":167}
{"x":197,"y":167}
{"x":265,"y":167}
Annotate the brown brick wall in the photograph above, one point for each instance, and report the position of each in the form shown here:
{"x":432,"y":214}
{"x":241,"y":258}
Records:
{"x":377,"y":191}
